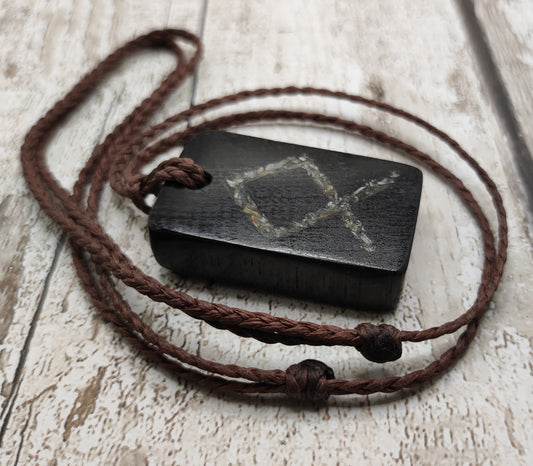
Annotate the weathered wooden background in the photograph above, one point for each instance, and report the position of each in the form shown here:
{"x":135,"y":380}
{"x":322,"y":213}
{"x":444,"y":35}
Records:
{"x":72,"y":392}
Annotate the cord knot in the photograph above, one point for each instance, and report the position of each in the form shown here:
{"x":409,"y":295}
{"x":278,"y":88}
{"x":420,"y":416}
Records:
{"x":379,"y":343}
{"x":307,"y":380}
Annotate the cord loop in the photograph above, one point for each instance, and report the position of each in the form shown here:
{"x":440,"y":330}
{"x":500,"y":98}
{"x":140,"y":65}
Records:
{"x":179,"y":170}
{"x":101,"y":263}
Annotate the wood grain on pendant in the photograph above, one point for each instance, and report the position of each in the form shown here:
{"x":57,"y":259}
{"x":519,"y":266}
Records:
{"x":306,"y":222}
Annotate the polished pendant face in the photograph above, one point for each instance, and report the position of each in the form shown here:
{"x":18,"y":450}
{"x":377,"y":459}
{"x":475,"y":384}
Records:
{"x":306,"y":222}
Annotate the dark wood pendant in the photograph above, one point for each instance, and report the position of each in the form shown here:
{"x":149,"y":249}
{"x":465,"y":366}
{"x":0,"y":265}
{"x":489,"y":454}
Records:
{"x":306,"y":222}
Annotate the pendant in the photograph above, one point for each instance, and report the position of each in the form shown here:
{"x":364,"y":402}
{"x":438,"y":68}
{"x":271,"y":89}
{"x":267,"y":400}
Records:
{"x":305,"y":222}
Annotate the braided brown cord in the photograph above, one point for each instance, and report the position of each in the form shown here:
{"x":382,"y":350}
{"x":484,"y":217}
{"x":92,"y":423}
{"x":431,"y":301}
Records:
{"x":99,"y":262}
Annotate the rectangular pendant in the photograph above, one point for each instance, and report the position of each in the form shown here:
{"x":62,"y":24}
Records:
{"x":300,"y":221}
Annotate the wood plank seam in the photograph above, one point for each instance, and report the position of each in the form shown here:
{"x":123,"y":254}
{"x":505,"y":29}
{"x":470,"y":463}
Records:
{"x":503,"y":108}
{"x":17,"y":379}
{"x":201,"y":29}
{"x":10,"y":401}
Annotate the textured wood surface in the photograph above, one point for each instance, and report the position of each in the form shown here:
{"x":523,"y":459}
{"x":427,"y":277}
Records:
{"x":73,"y":392}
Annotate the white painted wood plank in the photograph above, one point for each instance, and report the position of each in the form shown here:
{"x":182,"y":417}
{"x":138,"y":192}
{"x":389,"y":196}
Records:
{"x":507,"y":28}
{"x":87,"y":398}
{"x":44,"y":52}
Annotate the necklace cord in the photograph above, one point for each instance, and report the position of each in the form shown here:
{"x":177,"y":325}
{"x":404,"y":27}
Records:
{"x":119,"y":160}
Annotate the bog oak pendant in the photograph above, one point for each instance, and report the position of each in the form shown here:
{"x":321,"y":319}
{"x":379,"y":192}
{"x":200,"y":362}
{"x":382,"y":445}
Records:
{"x":284,"y":218}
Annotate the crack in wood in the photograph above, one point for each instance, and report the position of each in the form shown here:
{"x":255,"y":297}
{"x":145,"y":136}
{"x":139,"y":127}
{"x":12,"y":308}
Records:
{"x":85,"y":403}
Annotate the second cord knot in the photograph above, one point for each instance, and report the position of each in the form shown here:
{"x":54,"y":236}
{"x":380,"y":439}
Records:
{"x":307,"y":380}
{"x":379,"y":343}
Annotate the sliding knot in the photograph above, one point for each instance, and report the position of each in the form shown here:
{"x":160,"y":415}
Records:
{"x":307,"y":380}
{"x":379,"y":343}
